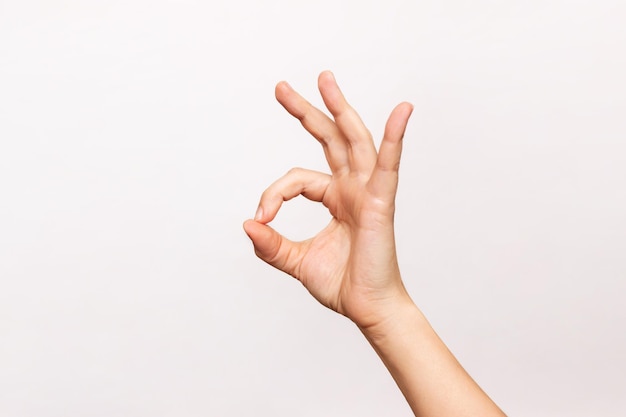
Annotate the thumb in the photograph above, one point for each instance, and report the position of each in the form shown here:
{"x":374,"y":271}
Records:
{"x":272,"y":247}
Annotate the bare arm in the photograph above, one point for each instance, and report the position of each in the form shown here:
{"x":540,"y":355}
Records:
{"x":351,"y":265}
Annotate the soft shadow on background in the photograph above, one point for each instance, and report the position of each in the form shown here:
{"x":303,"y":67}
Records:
{"x":136,"y":136}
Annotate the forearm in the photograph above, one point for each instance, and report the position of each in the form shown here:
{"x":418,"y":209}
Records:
{"x":429,"y":376}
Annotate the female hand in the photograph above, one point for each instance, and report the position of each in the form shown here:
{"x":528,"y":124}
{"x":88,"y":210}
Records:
{"x":350,"y":266}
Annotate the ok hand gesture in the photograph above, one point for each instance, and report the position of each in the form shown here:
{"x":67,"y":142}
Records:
{"x":350,"y":266}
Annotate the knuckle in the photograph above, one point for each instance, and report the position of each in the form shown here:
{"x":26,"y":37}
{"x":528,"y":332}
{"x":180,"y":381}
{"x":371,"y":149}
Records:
{"x":303,"y":114}
{"x":389,"y":166}
{"x":266,"y":194}
{"x":295,"y":171}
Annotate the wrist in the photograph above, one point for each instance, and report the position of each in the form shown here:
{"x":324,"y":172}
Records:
{"x":401,"y":315}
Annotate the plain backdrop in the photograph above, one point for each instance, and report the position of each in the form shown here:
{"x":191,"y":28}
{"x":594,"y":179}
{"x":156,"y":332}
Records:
{"x":136,"y":136}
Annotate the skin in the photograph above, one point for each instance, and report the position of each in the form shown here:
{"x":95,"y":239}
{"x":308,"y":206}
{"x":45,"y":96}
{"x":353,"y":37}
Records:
{"x":351,"y":265}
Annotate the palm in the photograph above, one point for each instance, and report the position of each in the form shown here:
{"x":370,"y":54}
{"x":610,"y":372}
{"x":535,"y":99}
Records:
{"x":349,"y":265}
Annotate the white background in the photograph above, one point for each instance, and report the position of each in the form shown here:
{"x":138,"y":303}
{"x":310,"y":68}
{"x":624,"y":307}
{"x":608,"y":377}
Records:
{"x":136,"y":136}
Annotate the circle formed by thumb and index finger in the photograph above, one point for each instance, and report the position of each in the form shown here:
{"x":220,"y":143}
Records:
{"x":298,"y":181}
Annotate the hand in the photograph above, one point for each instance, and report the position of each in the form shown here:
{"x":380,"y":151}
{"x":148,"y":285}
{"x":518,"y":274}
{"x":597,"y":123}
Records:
{"x":350,"y":266}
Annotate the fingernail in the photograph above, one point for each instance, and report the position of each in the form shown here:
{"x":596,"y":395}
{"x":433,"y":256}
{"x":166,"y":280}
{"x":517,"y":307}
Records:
{"x":259,"y":214}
